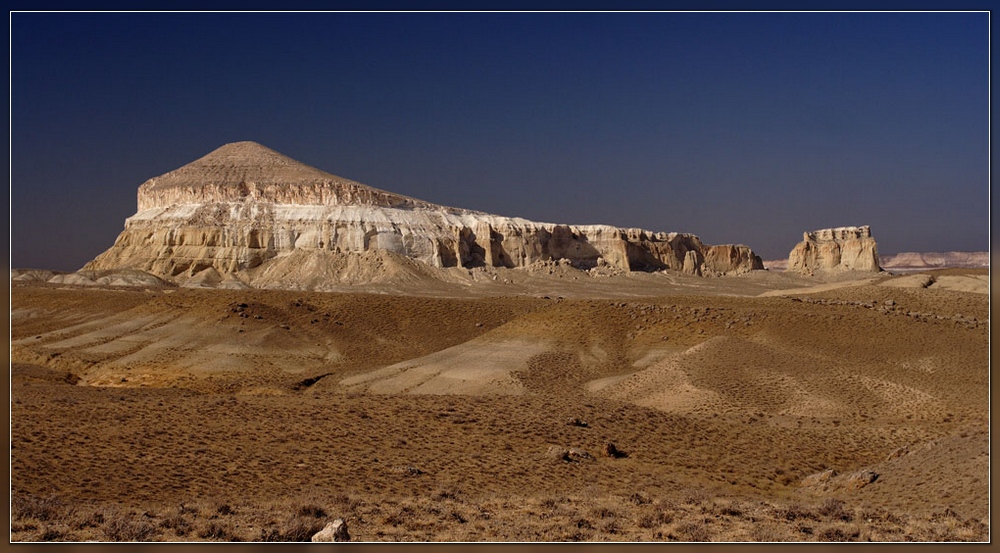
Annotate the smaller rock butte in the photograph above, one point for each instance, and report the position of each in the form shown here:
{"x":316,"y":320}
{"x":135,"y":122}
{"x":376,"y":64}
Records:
{"x":244,"y":204}
{"x":835,"y":249}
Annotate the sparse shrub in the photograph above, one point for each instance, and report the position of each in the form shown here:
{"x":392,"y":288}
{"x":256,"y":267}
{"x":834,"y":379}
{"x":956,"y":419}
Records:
{"x":38,"y":508}
{"x":299,"y":529}
{"x":19,"y":527}
{"x":733,"y":509}
{"x":178,"y":524}
{"x":52,"y":534}
{"x":639,"y":498}
{"x":217,"y":531}
{"x":796,"y":511}
{"x":695,"y":496}
{"x":93,"y":519}
{"x":225,"y":510}
{"x":836,"y":533}
{"x":692,"y":531}
{"x":665,"y":517}
{"x":269,"y":534}
{"x":121,"y":526}
{"x":764,"y":532}
{"x":603,"y":512}
{"x":647,"y":521}
{"x":445,"y":494}
{"x":834,"y":509}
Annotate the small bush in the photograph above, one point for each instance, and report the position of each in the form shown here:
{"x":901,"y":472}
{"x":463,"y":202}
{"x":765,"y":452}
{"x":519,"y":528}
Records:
{"x":733,"y":509}
{"x":647,"y":522}
{"x":225,"y":510}
{"x":693,"y":531}
{"x":836,"y":533}
{"x":217,"y":531}
{"x":269,"y":534}
{"x":639,"y":498}
{"x":52,"y":534}
{"x":128,"y":527}
{"x":178,"y":524}
{"x":299,"y":529}
{"x":94,"y":519}
{"x":665,"y":517}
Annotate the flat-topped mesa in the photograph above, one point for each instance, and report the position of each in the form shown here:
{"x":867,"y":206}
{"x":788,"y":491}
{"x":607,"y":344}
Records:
{"x":247,"y":171}
{"x":835,"y":249}
{"x":244,"y":205}
{"x":838,"y":234}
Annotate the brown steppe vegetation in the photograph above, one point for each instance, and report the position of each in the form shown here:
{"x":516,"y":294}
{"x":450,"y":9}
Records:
{"x":260,"y":415}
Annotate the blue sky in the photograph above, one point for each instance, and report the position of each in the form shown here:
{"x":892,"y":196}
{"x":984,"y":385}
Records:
{"x":738,"y":127}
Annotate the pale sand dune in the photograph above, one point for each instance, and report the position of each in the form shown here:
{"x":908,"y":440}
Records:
{"x":977,"y":284}
{"x":812,"y":289}
{"x":480,"y":366}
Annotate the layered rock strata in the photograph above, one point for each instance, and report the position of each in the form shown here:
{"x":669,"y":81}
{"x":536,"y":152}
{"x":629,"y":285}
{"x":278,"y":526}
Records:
{"x":244,"y":204}
{"x":835,"y":249}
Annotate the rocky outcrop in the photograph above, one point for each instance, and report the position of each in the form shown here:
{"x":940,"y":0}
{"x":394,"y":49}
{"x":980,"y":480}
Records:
{"x":835,"y":249}
{"x":244,"y":205}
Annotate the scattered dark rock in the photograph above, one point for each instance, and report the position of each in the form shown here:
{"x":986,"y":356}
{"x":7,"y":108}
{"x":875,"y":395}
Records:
{"x":408,"y":470}
{"x":611,"y":450}
{"x":568,"y":455}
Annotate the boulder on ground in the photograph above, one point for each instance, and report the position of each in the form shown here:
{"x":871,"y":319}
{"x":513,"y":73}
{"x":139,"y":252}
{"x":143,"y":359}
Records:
{"x":335,"y":531}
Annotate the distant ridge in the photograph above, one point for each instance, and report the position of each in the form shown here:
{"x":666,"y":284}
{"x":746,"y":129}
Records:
{"x":915,"y":261}
{"x":936,"y":260}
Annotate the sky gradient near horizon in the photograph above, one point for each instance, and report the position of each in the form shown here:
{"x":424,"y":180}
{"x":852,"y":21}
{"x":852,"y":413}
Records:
{"x":737,"y":127}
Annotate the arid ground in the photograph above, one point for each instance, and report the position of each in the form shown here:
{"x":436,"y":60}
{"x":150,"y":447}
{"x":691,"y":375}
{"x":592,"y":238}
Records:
{"x":550,"y":407}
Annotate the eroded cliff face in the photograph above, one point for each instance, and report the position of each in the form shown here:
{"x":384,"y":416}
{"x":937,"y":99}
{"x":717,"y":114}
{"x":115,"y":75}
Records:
{"x":243,"y":205}
{"x":835,"y":249}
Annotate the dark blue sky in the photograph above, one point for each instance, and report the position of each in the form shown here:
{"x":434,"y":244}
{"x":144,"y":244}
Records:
{"x":738,"y":127}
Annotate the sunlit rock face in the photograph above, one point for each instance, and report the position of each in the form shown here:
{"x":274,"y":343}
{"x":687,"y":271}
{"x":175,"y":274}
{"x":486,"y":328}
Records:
{"x":244,"y":204}
{"x":835,"y":249}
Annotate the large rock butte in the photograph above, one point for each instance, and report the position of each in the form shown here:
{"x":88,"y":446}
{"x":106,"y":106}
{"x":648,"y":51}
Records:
{"x":835,"y":249}
{"x":245,"y":205}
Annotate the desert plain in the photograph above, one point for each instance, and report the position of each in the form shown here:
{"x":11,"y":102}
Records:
{"x":507,"y":405}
